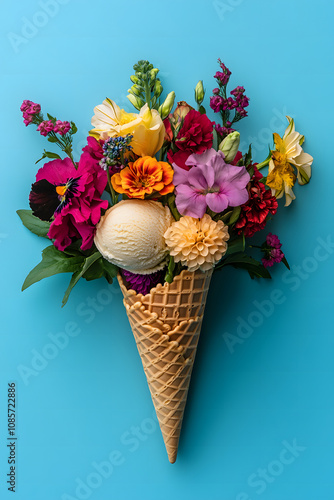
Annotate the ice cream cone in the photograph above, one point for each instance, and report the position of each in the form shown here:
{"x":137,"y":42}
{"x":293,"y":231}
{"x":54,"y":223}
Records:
{"x":166,"y":325}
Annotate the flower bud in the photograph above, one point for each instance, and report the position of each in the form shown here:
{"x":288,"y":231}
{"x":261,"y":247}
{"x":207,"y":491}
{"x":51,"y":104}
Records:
{"x":153,"y":73}
{"x":181,"y":110}
{"x":230,"y":145}
{"x":134,"y":79}
{"x":135,"y":90}
{"x":199,"y":92}
{"x":135,"y":101}
{"x":167,"y":105}
{"x":157,"y":88}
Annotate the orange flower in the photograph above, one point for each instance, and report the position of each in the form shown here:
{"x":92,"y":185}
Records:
{"x":144,"y":177}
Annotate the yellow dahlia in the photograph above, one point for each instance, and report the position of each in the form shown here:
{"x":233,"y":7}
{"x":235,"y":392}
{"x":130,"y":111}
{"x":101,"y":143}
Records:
{"x":197,"y":243}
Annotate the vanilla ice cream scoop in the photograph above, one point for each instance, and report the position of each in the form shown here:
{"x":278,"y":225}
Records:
{"x":130,"y":235}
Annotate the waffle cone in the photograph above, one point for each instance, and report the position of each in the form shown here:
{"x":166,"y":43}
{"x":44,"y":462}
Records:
{"x":166,"y":325}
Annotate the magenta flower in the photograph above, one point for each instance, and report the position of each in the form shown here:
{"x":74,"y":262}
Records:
{"x":62,"y":127}
{"x":216,"y":103}
{"x":72,"y":196}
{"x":211,"y":183}
{"x":45,"y":127}
{"x":272,"y":250}
{"x":29,"y":110}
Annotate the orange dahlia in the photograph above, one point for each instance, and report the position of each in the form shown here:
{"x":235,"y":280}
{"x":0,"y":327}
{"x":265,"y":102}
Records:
{"x":144,"y":177}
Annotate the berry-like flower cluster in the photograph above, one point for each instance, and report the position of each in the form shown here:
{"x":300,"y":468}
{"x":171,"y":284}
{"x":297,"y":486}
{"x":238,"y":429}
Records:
{"x":220,"y":103}
{"x":58,"y":127}
{"x":114,"y":150}
{"x":30,"y":111}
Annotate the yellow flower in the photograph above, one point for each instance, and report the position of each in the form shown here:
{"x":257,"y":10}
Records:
{"x":146,"y":127}
{"x":287,"y":156}
{"x":197,"y":243}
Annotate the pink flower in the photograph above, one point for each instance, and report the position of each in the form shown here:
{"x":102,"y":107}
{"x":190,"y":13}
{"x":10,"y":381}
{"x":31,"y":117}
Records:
{"x":45,"y":127}
{"x":211,"y":183}
{"x":29,"y":109}
{"x":94,"y":148}
{"x":62,"y":127}
{"x":272,"y":250}
{"x":216,"y":103}
{"x":27,"y":118}
{"x":72,"y":196}
{"x":79,"y":218}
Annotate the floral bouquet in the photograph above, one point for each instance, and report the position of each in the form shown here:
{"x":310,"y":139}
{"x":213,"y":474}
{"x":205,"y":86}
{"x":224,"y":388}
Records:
{"x":160,"y":199}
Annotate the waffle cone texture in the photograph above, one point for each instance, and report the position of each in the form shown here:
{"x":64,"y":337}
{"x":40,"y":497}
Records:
{"x":166,"y":324}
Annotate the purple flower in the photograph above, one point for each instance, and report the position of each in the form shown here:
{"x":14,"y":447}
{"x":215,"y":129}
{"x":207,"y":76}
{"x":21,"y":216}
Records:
{"x":216,"y":103}
{"x":272,"y":250}
{"x":229,"y":103}
{"x":224,"y":130}
{"x":273,"y":241}
{"x":222,"y":78}
{"x":216,"y":91}
{"x":237,"y":91}
{"x":142,"y":283}
{"x":211,"y":183}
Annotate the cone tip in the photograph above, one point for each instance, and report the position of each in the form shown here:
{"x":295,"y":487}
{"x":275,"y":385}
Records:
{"x":172,"y":455}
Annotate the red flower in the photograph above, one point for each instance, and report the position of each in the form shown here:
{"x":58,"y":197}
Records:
{"x":195,"y":135}
{"x":254,"y":212}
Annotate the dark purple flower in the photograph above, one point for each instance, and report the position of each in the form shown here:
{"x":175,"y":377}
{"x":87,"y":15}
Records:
{"x":216,"y":103}
{"x":142,"y":283}
{"x":224,"y":130}
{"x":272,"y":251}
{"x":211,"y":183}
{"x":237,"y":91}
{"x":222,"y":78}
{"x":216,"y":91}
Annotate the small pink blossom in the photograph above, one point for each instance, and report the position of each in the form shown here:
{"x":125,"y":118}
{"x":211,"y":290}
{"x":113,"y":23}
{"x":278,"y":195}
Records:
{"x":62,"y":127}
{"x":45,"y":127}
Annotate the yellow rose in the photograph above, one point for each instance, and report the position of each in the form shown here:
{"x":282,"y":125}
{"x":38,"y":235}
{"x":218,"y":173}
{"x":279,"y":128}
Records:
{"x":146,"y":127}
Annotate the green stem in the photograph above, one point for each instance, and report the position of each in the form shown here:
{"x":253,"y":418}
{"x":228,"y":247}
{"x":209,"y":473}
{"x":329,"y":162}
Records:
{"x":148,"y":94}
{"x":114,"y":196}
{"x":263,"y":164}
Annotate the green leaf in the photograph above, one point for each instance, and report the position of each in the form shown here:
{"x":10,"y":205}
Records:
{"x":88,"y":262}
{"x":234,"y":216}
{"x":74,"y":128}
{"x":52,"y":118}
{"x":52,"y":139}
{"x":201,"y":109}
{"x":110,"y":270}
{"x":34,"y":224}
{"x":285,"y":262}
{"x":48,"y":154}
{"x":170,"y":271}
{"x":242,"y":261}
{"x":53,"y":262}
{"x":248,"y":156}
{"x":236,"y":246}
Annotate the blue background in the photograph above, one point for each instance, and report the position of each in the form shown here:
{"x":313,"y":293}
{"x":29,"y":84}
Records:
{"x":257,"y":389}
